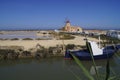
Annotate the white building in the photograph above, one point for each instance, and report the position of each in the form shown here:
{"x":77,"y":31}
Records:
{"x":113,"y":33}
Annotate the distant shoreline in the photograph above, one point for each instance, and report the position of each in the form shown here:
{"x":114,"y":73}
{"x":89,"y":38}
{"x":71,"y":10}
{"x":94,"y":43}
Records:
{"x":50,"y":29}
{"x":26,"y":29}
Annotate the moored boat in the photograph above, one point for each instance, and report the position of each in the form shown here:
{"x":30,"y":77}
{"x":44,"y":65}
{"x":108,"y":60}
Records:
{"x":118,"y":47}
{"x":92,"y":50}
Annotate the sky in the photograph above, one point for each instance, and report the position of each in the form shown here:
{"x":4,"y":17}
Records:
{"x":52,"y":14}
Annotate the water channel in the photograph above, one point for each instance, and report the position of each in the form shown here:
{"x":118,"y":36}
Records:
{"x":53,"y":69}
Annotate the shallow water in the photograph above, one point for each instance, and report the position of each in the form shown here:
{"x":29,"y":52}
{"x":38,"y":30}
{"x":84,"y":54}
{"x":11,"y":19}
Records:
{"x":52,"y":69}
{"x":21,"y":35}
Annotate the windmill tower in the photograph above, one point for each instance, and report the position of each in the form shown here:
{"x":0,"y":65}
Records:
{"x":67,"y":25}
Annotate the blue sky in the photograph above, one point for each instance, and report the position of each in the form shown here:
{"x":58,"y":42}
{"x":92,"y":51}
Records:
{"x":51,"y":14}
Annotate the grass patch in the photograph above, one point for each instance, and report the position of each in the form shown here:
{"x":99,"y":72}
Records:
{"x":70,"y":46}
{"x":27,"y":39}
{"x":66,"y":37}
{"x":15,"y":39}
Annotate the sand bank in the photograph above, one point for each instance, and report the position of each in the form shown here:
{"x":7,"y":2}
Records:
{"x":27,"y":44}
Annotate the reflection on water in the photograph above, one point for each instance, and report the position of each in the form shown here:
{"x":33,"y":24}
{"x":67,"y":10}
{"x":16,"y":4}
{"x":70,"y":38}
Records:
{"x":51,"y":69}
{"x":100,"y":66}
{"x":92,"y":69}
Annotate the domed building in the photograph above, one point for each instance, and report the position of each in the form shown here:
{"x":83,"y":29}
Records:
{"x":70,"y":28}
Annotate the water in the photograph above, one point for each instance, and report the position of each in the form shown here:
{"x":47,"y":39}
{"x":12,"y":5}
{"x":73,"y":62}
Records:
{"x":22,"y":35}
{"x":52,"y":69}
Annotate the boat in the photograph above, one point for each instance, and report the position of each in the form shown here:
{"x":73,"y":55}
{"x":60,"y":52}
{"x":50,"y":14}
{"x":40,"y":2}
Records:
{"x":118,"y":47}
{"x":93,"y":50}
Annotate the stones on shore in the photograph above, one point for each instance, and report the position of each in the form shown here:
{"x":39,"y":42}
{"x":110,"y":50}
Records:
{"x":38,"y":52}
{"x":42,"y":52}
{"x":8,"y":54}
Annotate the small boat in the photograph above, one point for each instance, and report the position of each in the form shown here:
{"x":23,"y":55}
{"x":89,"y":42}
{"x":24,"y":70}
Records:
{"x":92,"y":49}
{"x":118,"y":47}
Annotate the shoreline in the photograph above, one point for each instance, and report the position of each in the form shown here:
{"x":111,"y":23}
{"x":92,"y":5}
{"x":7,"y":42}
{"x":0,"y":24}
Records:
{"x":17,"y":49}
{"x":28,"y":44}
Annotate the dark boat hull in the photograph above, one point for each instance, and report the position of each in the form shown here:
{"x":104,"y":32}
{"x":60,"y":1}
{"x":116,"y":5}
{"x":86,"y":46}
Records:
{"x":85,"y":55}
{"x":118,"y":47}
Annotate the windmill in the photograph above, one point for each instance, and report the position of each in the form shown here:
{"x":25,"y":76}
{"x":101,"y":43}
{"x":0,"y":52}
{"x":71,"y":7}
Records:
{"x":67,"y":20}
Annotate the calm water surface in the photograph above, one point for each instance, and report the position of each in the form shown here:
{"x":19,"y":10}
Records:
{"x":21,"y":35}
{"x":52,"y":69}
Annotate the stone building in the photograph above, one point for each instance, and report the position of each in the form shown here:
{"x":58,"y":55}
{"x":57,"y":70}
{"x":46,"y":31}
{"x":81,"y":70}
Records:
{"x":70,"y":28}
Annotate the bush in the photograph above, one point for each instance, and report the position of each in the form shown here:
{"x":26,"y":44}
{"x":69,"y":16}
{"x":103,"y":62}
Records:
{"x":6,"y":39}
{"x":27,"y":39}
{"x":66,"y":36}
{"x":39,"y":39}
{"x":8,"y":54}
{"x":26,"y":53}
{"x":70,"y":46}
{"x":15,"y":39}
{"x":1,"y":39}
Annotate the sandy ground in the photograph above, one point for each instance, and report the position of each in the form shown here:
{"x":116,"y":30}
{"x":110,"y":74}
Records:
{"x":46,"y":43}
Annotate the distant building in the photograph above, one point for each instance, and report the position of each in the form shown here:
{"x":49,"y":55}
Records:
{"x":70,"y":28}
{"x":95,"y":32}
{"x":113,"y":33}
